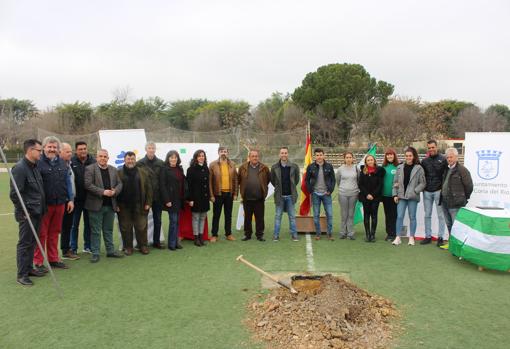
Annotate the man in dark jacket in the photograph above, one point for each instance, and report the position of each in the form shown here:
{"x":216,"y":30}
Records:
{"x":134,"y":203}
{"x":30,"y":184}
{"x":153,"y":165}
{"x":456,"y":190}
{"x":435,"y":166}
{"x":80,"y":160}
{"x":285,"y":178}
{"x":59,"y":197}
{"x":320,"y":182}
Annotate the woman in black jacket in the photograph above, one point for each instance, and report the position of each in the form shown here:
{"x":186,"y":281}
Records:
{"x":197,"y":177}
{"x":173,"y":188}
{"x":370,"y":185}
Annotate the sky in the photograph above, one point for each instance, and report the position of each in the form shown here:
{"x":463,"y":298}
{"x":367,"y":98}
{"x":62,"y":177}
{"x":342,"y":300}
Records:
{"x":55,"y":52}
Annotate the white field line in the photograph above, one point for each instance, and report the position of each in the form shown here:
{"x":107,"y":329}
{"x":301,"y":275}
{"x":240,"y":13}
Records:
{"x":6,"y":214}
{"x":309,"y":254}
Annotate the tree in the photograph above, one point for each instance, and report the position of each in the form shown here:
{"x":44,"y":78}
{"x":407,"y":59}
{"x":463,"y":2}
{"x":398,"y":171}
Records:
{"x":73,"y":116}
{"x":398,"y":124}
{"x":231,"y":113}
{"x":13,"y":115}
{"x":182,"y":112}
{"x":268,"y":115}
{"x":502,"y":110}
{"x":346,"y":95}
{"x":473,"y":120}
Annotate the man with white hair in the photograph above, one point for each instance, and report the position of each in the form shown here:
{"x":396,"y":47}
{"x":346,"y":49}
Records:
{"x":456,"y":190}
{"x":59,"y":198}
{"x":154,"y":165}
{"x":66,"y":153}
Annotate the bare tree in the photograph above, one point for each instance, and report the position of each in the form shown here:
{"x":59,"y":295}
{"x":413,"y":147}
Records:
{"x":207,"y":120}
{"x":473,"y":120}
{"x":397,"y":125}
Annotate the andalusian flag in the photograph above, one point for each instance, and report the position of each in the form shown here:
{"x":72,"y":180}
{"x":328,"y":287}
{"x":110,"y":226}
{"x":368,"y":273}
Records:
{"x":304,"y":201}
{"x":358,"y":212}
{"x":482,"y":237}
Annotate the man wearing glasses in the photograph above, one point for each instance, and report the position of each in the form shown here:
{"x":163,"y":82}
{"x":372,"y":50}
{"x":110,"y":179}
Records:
{"x":30,"y":184}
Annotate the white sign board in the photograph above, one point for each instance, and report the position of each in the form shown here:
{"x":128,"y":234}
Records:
{"x":487,"y":157}
{"x":186,"y":151}
{"x":118,"y":142}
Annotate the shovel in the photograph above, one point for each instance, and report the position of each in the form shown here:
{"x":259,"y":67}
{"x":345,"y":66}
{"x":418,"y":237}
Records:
{"x":266,"y":274}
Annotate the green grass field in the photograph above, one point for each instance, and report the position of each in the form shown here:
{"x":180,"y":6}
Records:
{"x":196,"y":297}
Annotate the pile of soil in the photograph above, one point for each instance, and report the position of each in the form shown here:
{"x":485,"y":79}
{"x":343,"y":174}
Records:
{"x":331,"y":313}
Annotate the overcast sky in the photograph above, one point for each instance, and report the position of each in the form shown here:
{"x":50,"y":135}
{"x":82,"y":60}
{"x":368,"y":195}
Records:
{"x":63,"y":51}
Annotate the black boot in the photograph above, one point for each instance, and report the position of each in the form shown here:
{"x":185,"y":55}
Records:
{"x":196,"y":241}
{"x":201,"y":239}
{"x":367,"y":230}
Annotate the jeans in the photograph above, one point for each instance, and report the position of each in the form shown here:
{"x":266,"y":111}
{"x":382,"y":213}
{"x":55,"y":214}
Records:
{"x":449,"y":215}
{"x":101,"y":221}
{"x":328,"y":207}
{"x":173,"y":228}
{"x":157,"y":209}
{"x":65,"y":235}
{"x":347,"y":206}
{"x":370,"y":212}
{"x":411,"y":206}
{"x":78,"y":210}
{"x":226,"y":201}
{"x":390,"y":215}
{"x":429,"y":198}
{"x":286,"y":204}
{"x":198,"y":222}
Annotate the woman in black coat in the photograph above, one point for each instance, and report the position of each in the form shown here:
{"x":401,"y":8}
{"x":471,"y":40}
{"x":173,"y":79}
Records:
{"x":370,"y":185}
{"x":173,"y":188}
{"x":197,"y":177}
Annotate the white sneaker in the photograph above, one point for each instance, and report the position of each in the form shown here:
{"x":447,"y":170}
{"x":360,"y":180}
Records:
{"x":411,"y":241}
{"x":397,"y":241}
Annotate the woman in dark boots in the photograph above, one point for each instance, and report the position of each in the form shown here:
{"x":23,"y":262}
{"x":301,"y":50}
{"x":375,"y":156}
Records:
{"x":370,"y":186}
{"x":173,"y":187}
{"x":197,"y":177}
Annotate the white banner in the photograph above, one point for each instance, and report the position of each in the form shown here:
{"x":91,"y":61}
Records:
{"x":118,"y":142}
{"x":487,"y":158}
{"x":186,"y":151}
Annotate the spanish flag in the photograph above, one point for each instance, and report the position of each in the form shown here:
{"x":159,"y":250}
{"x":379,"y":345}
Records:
{"x":304,"y":201}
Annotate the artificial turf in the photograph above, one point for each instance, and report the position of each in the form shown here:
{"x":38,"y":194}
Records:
{"x":196,"y":297}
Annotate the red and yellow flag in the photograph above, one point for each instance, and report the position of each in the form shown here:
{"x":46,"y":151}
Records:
{"x":304,"y":201}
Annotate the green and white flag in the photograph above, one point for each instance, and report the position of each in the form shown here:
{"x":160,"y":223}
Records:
{"x":482,"y":237}
{"x":358,"y":212}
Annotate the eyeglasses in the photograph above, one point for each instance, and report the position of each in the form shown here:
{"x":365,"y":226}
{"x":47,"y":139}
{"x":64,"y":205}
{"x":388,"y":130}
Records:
{"x":37,"y":149}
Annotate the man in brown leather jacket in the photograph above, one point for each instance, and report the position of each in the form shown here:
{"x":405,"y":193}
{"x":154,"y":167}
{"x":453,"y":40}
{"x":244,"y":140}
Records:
{"x":254,"y":178}
{"x":223,"y":192}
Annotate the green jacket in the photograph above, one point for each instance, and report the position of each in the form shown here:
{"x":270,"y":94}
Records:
{"x":145,"y":187}
{"x":276,"y":180}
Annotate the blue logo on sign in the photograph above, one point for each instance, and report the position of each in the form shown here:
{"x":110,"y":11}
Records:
{"x":119,"y":161}
{"x":488,"y":163}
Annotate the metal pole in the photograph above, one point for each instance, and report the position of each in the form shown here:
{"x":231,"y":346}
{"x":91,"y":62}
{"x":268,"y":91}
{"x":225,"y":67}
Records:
{"x":53,"y":277}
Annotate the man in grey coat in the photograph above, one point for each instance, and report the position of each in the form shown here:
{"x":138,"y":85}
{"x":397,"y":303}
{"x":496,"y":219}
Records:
{"x":285,"y":178}
{"x":103,"y":185}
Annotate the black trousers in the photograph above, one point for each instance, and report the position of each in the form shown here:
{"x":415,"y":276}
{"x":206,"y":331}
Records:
{"x":390,"y":215}
{"x":157,"y":209}
{"x":26,"y":245}
{"x":251,"y":208}
{"x":370,"y":209}
{"x":226,"y":201}
{"x":65,"y":235}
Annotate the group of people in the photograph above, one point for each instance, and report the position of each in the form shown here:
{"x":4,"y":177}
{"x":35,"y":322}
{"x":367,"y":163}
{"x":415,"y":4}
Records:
{"x":445,"y":183}
{"x":58,"y":189}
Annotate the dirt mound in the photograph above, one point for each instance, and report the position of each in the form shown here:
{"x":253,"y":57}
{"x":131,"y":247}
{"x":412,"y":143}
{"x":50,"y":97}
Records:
{"x":331,"y":313}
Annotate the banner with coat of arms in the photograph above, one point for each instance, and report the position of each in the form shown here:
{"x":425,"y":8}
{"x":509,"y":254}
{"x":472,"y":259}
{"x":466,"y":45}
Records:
{"x":487,"y":157}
